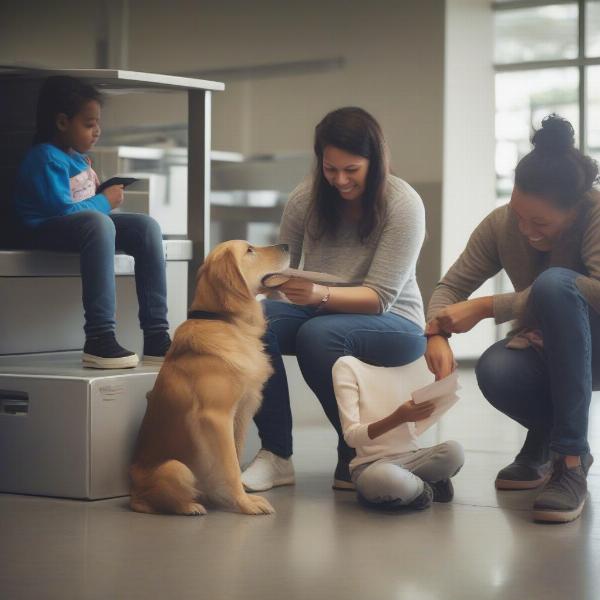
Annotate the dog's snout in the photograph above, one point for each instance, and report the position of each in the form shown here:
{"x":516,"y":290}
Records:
{"x":284,"y":248}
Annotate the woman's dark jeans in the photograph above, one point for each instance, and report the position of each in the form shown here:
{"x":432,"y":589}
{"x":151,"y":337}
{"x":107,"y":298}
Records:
{"x":549,"y":391}
{"x":96,"y":236}
{"x":318,"y":340}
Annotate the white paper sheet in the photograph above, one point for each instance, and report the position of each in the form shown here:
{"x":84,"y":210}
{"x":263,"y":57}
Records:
{"x":273,"y":280}
{"x":442,"y":393}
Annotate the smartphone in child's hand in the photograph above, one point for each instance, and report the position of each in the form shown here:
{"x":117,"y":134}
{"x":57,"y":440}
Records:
{"x":124,"y":181}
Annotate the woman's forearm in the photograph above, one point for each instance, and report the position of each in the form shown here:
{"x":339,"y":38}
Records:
{"x":360,"y":299}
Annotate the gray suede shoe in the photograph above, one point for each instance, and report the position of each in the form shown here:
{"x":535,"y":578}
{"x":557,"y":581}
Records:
{"x":564,"y":496}
{"x":523,"y":474}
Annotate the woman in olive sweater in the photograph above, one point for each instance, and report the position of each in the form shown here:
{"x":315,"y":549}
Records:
{"x":547,"y":239}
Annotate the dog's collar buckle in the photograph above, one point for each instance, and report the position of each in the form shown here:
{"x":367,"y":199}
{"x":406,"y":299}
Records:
{"x":205,"y":314}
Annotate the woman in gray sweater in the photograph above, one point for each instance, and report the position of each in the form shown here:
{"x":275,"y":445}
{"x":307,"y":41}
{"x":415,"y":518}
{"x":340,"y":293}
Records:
{"x":357,"y":221}
{"x":547,"y":239}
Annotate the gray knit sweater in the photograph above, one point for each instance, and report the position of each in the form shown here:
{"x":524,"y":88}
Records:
{"x":498,"y":244}
{"x":385,"y":262}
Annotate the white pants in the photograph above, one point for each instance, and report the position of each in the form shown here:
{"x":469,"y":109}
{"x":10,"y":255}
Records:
{"x":399,"y":478}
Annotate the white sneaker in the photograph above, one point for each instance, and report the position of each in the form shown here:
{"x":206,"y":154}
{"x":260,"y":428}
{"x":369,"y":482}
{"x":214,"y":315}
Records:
{"x":267,"y":470}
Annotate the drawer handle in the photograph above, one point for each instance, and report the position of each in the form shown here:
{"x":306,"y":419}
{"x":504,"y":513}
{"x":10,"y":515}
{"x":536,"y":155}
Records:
{"x":14,"y":403}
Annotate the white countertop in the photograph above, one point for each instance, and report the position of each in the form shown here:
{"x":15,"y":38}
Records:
{"x":119,"y":79}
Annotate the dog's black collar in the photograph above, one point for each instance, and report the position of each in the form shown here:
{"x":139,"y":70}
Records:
{"x":205,"y":314}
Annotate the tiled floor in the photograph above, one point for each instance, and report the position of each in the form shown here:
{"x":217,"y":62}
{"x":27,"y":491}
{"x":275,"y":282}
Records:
{"x":320,"y":544}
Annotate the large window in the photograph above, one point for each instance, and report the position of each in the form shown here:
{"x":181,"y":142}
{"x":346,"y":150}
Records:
{"x":547,"y":58}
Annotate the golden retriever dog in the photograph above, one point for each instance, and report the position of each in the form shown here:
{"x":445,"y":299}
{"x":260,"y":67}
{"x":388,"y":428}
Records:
{"x":208,"y":388}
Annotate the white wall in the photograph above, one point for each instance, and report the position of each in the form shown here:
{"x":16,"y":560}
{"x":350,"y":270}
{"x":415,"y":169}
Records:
{"x":393,"y":54}
{"x":469,"y":175}
{"x":51,"y":34}
{"x":393,"y":67}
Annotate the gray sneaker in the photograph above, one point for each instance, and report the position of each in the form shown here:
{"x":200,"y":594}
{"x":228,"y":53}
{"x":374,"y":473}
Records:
{"x":523,"y":474}
{"x":421,"y":502}
{"x":443,"y":490}
{"x":562,"y":499}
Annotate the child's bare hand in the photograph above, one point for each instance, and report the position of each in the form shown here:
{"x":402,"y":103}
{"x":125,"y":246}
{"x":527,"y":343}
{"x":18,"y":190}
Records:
{"x":114,"y":195}
{"x":410,"y":412}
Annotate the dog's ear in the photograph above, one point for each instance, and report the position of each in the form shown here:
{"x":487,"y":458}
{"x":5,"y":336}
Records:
{"x":221,"y":285}
{"x":232,"y":289}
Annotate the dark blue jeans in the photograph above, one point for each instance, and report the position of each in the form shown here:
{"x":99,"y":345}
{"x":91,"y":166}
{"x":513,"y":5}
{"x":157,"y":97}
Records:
{"x":549,"y":391}
{"x":96,"y":236}
{"x":318,"y":340}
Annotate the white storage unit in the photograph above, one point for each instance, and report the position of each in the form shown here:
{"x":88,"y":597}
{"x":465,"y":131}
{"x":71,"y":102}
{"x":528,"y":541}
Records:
{"x":41,"y":295}
{"x":64,"y":430}
{"x":67,"y":431}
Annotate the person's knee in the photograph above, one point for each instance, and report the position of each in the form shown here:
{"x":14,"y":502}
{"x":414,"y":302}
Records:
{"x":388,"y":483}
{"x":98,"y":227}
{"x":276,"y":314}
{"x":487,"y":373}
{"x":151,"y":226}
{"x":552,"y":286}
{"x":274,"y":309}
{"x":310,"y":340}
{"x":151,"y":231}
{"x":315,"y":351}
{"x":453,"y":456}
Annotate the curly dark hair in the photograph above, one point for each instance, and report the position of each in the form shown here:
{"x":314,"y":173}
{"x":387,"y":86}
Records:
{"x":555,"y":169}
{"x":61,"y":94}
{"x":354,"y":130}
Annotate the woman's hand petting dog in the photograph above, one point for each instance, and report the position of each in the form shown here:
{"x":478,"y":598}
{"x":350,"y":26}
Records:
{"x":302,"y":291}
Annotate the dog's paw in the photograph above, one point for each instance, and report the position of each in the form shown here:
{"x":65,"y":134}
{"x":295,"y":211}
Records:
{"x":263,"y":505}
{"x":193,"y":509}
{"x":254,"y":505}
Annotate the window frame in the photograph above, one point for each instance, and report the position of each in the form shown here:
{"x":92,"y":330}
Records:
{"x":581,"y":62}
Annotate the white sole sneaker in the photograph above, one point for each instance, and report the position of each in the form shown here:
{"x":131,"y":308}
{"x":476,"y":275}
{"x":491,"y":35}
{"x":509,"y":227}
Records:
{"x":266,"y":471}
{"x":343,"y":486}
{"x":98,"y":362}
{"x":557,"y":516}
{"x":515,"y":484}
{"x":153,"y":360}
{"x":277,"y":483}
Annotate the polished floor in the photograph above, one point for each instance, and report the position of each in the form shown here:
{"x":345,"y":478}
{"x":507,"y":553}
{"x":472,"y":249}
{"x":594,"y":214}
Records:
{"x":320,"y":544}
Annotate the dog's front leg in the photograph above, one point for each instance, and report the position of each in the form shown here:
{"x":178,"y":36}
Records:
{"x":225,"y":479}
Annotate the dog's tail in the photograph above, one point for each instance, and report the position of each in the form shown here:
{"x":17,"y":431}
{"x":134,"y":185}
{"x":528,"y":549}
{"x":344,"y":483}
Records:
{"x":167,"y":488}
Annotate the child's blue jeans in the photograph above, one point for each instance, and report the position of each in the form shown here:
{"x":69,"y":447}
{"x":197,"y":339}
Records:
{"x":318,"y":340}
{"x":549,"y":391}
{"x":96,"y":236}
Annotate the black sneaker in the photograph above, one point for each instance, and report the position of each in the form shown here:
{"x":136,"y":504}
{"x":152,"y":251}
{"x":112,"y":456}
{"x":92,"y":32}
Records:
{"x":104,"y":352}
{"x":341,"y":477}
{"x":421,"y":502}
{"x":564,"y":496}
{"x":156,"y":347}
{"x":443,"y":491}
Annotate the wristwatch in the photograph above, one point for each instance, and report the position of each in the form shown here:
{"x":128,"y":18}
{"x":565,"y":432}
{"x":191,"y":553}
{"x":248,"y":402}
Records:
{"x":441,"y":333}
